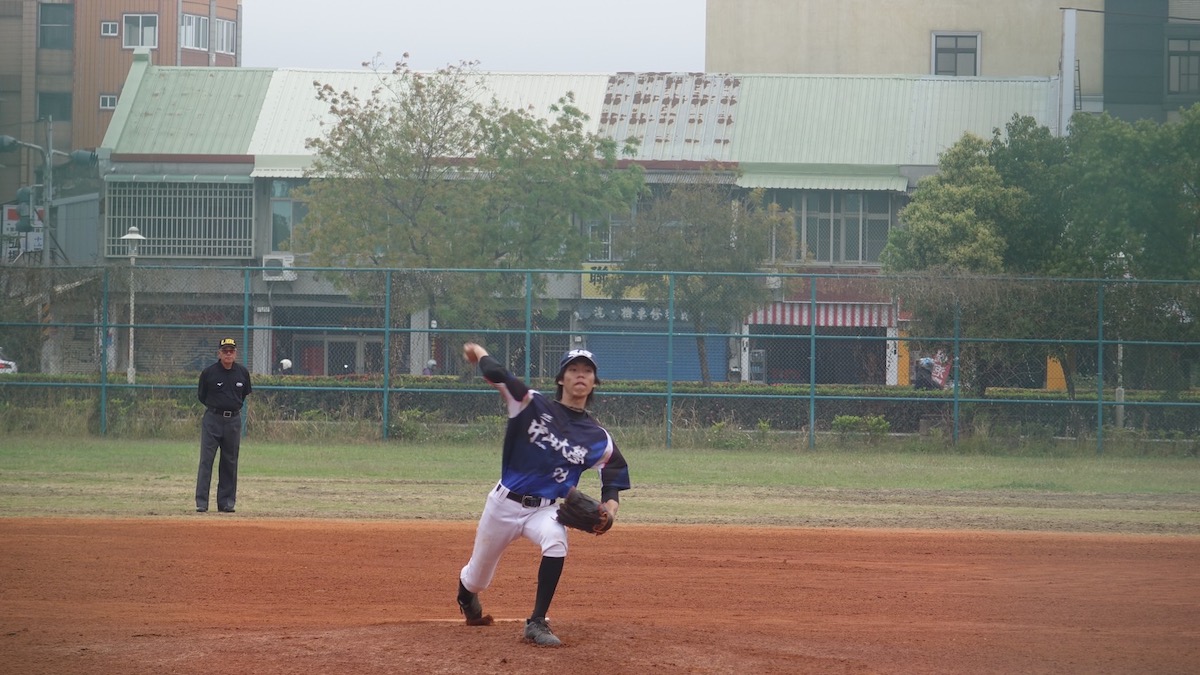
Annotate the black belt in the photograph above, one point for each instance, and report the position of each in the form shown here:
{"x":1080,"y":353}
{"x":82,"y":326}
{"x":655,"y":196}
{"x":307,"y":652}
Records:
{"x":531,"y":501}
{"x":224,"y":413}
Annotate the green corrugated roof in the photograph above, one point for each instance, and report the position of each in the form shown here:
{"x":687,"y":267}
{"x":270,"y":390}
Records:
{"x":863,"y":120}
{"x":787,"y":131}
{"x":211,"y":111}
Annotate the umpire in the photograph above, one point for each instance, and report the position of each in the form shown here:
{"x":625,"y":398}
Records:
{"x":224,"y":386}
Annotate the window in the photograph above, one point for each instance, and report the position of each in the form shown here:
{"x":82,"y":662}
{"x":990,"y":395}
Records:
{"x":141,"y":30}
{"x":57,"y":28}
{"x":1183,"y":67}
{"x":226,"y":36}
{"x":55,"y":106}
{"x":108,"y":101}
{"x":286,"y":213}
{"x":109,"y":29}
{"x":193,"y":34}
{"x":955,"y":54}
{"x":605,"y":239}
{"x":837,"y":227}
{"x":182,"y":219}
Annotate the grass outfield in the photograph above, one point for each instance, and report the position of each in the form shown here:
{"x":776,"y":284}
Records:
{"x":91,"y":477}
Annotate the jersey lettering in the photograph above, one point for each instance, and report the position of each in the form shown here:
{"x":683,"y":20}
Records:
{"x":541,"y":436}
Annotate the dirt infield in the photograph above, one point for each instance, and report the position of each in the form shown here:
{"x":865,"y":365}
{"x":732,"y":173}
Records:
{"x":220,"y":593}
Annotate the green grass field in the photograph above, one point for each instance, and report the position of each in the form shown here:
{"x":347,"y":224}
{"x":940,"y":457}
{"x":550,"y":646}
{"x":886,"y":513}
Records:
{"x":93,"y":477}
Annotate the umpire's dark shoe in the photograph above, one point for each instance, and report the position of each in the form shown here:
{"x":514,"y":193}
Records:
{"x":472,"y":610}
{"x":201,"y":509}
{"x":538,"y":632}
{"x":228,"y":510}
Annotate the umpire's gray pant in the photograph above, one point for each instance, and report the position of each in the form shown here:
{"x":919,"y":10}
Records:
{"x":225,"y":433}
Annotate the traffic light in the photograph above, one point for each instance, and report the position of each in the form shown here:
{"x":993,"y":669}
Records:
{"x":25,"y":209}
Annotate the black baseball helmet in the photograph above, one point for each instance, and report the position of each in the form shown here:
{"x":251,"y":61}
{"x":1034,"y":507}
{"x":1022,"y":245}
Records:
{"x":577,"y":355}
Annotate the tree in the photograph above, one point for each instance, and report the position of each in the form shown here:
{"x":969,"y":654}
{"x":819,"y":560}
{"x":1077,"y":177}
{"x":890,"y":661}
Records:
{"x":954,"y":217}
{"x":706,"y":227}
{"x":989,"y":210}
{"x":428,"y":171}
{"x":1132,"y":203}
{"x":1114,"y":200}
{"x":1031,"y":158}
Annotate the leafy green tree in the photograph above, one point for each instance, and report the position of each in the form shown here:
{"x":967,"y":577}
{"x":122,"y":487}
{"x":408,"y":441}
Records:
{"x":705,"y":226}
{"x":429,"y":171}
{"x":953,"y":219}
{"x":1132,"y":202}
{"x":1031,"y":158}
{"x":1113,"y":200}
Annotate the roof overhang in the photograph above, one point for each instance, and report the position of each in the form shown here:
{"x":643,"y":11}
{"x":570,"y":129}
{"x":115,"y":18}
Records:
{"x":176,"y":178}
{"x":822,"y":177}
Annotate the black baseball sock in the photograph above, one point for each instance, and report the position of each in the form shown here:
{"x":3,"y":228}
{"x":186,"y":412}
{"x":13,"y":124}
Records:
{"x":464,"y":596}
{"x":549,"y":573}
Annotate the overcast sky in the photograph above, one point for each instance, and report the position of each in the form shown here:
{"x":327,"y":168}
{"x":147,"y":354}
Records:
{"x":580,"y":36}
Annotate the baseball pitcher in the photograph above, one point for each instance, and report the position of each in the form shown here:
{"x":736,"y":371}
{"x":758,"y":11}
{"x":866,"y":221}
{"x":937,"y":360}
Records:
{"x":547,"y":446}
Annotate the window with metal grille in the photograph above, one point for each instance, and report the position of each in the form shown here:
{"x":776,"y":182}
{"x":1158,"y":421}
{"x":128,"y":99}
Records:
{"x":956,"y":54}
{"x":182,"y":220}
{"x":1183,"y":66}
{"x":605,"y":240}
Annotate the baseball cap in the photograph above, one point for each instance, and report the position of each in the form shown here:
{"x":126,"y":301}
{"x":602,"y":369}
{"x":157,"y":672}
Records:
{"x":575,"y":355}
{"x":227,"y":342}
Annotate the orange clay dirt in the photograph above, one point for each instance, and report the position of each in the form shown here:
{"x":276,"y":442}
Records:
{"x":223,"y":593}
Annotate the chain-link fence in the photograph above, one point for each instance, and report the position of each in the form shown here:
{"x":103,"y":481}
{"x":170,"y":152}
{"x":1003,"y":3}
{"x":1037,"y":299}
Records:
{"x":373,"y":353}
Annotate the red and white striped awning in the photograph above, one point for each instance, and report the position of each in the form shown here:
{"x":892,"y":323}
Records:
{"x":848,"y":314}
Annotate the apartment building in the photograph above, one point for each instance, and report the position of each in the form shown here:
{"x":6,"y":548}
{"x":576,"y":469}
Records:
{"x":1137,"y":59}
{"x":63,"y":64}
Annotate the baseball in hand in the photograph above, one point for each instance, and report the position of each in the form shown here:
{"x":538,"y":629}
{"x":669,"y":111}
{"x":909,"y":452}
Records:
{"x":470,"y":353}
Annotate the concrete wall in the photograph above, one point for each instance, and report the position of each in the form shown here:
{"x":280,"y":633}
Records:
{"x":890,"y":37}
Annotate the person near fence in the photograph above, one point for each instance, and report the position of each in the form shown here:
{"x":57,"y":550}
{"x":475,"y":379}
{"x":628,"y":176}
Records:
{"x":547,"y":446}
{"x":923,"y":377}
{"x":224,"y":386}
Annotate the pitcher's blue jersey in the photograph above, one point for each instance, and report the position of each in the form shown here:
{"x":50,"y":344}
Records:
{"x":547,"y":446}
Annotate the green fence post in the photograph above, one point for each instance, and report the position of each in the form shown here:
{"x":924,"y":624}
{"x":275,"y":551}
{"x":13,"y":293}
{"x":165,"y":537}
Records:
{"x":246,"y":299}
{"x":528,"y":321}
{"x":104,"y":355}
{"x":812,"y":362}
{"x":387,"y":351}
{"x":956,"y":373}
{"x":1100,"y":368}
{"x":670,"y":351}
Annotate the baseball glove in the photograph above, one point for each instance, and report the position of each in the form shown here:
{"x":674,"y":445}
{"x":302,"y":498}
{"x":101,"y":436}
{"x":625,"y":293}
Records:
{"x":582,"y":512}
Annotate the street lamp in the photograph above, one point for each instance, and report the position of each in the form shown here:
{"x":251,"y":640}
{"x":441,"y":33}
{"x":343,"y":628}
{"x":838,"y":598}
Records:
{"x":132,"y":239}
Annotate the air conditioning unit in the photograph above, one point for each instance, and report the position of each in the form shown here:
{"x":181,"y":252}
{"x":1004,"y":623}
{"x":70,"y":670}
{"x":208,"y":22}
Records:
{"x":276,"y":267}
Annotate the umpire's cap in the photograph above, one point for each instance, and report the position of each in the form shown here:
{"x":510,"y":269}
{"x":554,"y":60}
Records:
{"x":577,"y":355}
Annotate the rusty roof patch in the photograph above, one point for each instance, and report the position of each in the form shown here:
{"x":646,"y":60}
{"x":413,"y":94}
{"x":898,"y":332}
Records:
{"x":675,"y":116}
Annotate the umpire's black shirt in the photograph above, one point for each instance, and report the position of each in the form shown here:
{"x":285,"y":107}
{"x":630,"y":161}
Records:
{"x":222,"y":389}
